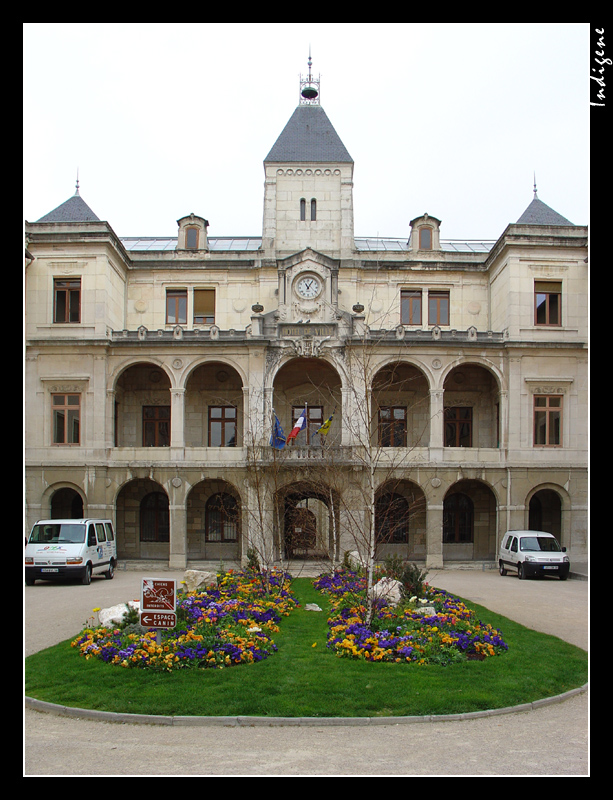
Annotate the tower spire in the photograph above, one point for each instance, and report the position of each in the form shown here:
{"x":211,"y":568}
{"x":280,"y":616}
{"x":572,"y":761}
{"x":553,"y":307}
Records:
{"x":309,"y":87}
{"x":534,"y":190}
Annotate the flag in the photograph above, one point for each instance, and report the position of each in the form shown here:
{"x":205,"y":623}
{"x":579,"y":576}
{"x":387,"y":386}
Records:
{"x":299,"y":426}
{"x":277,"y":439}
{"x":326,"y":426}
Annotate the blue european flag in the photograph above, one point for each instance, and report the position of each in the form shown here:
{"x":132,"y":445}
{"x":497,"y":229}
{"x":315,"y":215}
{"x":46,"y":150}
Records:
{"x":277,"y":439}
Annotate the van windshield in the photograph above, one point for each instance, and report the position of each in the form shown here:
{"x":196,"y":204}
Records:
{"x":543,"y":543}
{"x":55,"y":533}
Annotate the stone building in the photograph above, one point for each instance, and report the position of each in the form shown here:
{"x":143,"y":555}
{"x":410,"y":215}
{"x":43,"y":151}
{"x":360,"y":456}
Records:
{"x":454,"y":374}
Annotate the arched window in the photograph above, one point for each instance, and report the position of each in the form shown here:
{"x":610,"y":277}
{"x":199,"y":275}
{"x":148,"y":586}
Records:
{"x":302,"y":209}
{"x":313,"y":209}
{"x":458,"y":516}
{"x":392,"y":519}
{"x":154,"y":518}
{"x":221,"y":518}
{"x":425,"y":238}
{"x":191,"y":238}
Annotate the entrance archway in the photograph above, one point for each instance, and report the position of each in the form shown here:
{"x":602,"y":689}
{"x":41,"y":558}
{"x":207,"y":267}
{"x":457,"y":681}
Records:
{"x":308,"y":515}
{"x":66,"y":503}
{"x":469,"y":522}
{"x":143,"y":530}
{"x":545,"y":513}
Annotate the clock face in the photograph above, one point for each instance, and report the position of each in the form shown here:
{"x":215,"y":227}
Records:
{"x":308,"y":287}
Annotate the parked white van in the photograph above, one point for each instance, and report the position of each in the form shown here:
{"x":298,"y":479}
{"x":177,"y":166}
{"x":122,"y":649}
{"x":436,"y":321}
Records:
{"x":533,"y":553}
{"x":70,"y":548}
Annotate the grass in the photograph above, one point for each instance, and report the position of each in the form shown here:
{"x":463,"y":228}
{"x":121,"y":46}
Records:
{"x":302,"y":680}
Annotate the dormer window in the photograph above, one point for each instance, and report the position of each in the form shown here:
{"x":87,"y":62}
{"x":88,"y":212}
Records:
{"x":425,"y":233}
{"x":192,"y":233}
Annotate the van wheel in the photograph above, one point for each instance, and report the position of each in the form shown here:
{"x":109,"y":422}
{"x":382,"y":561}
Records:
{"x":520,"y":572}
{"x":87,"y":575}
{"x":110,"y":574}
{"x":501,"y":569}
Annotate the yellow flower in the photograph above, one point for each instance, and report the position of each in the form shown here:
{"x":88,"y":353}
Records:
{"x":314,"y":644}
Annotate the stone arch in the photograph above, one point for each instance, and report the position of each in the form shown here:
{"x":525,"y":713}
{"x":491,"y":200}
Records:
{"x":471,"y":405}
{"x":142,"y":413}
{"x":135,"y":540}
{"x":470,"y":514}
{"x":312,"y":381}
{"x":59,"y":498}
{"x":400,"y":412}
{"x":214,"y":405}
{"x":214,"y":512}
{"x":155,"y":363}
{"x":400,"y":520}
{"x":548,"y":508}
{"x":307,"y":501}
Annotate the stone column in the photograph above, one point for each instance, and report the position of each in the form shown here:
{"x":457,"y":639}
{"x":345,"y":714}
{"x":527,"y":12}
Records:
{"x":178,"y":524}
{"x":437,"y":425}
{"x":434,"y":524}
{"x":177,"y":418}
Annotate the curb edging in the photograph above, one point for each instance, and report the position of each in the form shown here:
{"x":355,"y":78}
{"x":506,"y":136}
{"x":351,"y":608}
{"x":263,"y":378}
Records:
{"x":240,"y":721}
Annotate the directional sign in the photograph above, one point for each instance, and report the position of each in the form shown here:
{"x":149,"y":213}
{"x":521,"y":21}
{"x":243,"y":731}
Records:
{"x":158,"y":619}
{"x":158,"y":595}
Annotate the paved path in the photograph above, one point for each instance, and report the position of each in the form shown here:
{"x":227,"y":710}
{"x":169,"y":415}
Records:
{"x":551,"y":740}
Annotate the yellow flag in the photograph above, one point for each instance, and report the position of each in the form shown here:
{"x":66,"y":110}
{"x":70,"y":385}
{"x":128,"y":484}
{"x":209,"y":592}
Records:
{"x":325,"y":427}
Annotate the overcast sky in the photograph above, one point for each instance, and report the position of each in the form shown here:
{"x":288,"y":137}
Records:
{"x":165,"y":119}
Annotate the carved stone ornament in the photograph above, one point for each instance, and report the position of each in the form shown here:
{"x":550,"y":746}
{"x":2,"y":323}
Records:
{"x":308,"y":347}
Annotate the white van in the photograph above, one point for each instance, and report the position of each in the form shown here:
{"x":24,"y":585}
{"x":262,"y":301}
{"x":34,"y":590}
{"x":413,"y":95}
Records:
{"x":70,"y":548}
{"x":533,"y":553}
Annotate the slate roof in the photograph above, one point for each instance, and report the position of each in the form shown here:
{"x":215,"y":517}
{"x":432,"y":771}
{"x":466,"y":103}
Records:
{"x":75,"y":209}
{"x":539,"y":213}
{"x":309,"y":136}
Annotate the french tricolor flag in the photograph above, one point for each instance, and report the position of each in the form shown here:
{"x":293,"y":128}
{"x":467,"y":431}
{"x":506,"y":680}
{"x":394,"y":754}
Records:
{"x":299,"y":426}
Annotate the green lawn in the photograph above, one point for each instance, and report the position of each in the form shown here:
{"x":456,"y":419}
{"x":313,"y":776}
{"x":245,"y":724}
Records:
{"x":302,"y":680}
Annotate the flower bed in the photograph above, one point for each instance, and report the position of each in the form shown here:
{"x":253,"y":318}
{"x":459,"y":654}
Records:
{"x":403,"y":634}
{"x":221,"y":626}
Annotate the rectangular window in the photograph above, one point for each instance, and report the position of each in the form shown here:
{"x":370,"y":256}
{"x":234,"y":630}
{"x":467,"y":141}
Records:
{"x":67,"y":300}
{"x":547,"y":303}
{"x":438,"y":308}
{"x":204,"y":306}
{"x":66,"y":418}
{"x":176,"y":306}
{"x":392,"y":426}
{"x":315,"y":419}
{"x":222,"y":426}
{"x":156,"y":426}
{"x":547,"y":421}
{"x":410,"y":307}
{"x":459,"y":427}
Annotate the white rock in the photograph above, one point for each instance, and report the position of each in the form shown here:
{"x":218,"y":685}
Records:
{"x":312,"y":607}
{"x":389,"y":590}
{"x":115,"y":614}
{"x":197,"y":579}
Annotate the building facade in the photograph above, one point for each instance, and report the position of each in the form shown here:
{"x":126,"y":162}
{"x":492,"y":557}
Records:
{"x":164,"y":375}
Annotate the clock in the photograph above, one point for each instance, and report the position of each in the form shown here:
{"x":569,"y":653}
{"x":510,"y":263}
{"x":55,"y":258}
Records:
{"x":308,"y":287}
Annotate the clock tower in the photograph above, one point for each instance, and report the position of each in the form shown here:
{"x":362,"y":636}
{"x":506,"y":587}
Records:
{"x":308,"y":195}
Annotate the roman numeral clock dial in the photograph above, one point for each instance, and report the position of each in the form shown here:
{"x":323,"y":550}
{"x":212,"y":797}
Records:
{"x":308,"y":287}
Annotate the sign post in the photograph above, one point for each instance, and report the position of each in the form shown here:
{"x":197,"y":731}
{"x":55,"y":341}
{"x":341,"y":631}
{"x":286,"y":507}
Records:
{"x":158,"y":604}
